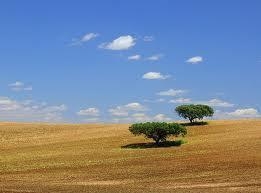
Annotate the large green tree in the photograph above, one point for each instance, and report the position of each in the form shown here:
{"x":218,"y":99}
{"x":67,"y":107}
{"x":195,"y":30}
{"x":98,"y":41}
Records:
{"x":193,"y":112}
{"x":158,"y":131}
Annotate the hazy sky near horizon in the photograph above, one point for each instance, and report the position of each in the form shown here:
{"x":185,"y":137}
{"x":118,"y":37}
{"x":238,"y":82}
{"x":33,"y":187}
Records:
{"x":128,"y":61}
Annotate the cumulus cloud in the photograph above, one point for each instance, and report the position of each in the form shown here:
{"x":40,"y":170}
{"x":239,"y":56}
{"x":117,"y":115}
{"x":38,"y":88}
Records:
{"x":134,"y":57}
{"x":155,"y":76}
{"x":92,"y":111}
{"x":171,"y":92}
{"x":13,"y":110}
{"x":20,"y":86}
{"x":195,"y":60}
{"x":155,"y":57}
{"x":121,"y":43}
{"x":125,"y":109}
{"x":85,"y":38}
{"x":148,"y":38}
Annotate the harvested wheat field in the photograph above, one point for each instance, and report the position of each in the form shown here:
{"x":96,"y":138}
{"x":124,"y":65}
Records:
{"x":224,"y":156}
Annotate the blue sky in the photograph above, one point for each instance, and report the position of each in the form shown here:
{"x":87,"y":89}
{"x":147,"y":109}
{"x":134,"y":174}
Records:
{"x":128,"y":61}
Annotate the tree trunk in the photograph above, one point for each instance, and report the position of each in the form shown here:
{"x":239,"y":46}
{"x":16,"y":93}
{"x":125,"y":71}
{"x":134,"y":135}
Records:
{"x":157,"y":142}
{"x":191,"y":120}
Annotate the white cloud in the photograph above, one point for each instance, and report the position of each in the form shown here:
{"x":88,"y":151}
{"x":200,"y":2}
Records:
{"x":181,"y":100}
{"x":20,"y":86}
{"x":195,"y":60}
{"x":121,"y":43}
{"x":245,"y":113}
{"x":211,"y":102}
{"x":7,"y":104}
{"x":12,"y":110}
{"x":87,"y":37}
{"x":171,"y":92}
{"x":135,"y":107}
{"x":134,"y":57}
{"x":237,"y":114}
{"x":148,"y":38}
{"x":218,"y":103}
{"x":155,"y":76}
{"x":124,"y":110}
{"x":155,"y":57}
{"x":141,"y":117}
{"x":118,"y":111}
{"x":161,"y":118}
{"x":89,"y":112}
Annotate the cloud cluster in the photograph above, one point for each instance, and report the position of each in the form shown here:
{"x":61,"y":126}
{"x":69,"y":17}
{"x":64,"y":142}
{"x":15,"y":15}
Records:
{"x":12,"y":110}
{"x":141,"y":117}
{"x":238,"y":114}
{"x":134,"y":112}
{"x":245,"y":113}
{"x":90,"y":115}
{"x":124,"y":110}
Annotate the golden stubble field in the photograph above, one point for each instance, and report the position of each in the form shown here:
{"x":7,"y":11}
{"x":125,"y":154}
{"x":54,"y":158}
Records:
{"x":224,"y":156}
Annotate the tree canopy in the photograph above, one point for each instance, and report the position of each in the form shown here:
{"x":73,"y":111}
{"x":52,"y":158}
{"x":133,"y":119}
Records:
{"x":158,"y":131}
{"x":193,"y":112}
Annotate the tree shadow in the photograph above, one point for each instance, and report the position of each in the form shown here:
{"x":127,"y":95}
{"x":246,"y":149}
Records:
{"x":153,"y":145}
{"x":195,"y":123}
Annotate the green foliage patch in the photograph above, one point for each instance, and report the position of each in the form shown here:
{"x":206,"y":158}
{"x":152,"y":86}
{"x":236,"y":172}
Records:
{"x":193,"y":112}
{"x":158,"y":131}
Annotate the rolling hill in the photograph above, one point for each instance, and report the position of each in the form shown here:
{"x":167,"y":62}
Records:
{"x":223,"y":156}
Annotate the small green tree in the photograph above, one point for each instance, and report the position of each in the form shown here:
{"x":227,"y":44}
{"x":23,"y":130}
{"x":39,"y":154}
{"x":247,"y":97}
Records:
{"x":158,"y":131}
{"x":193,"y":112}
